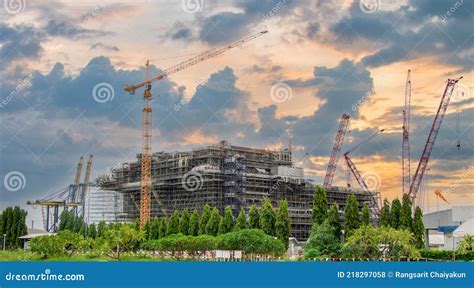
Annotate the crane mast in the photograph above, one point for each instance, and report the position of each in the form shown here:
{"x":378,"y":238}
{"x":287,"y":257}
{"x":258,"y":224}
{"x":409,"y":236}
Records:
{"x":430,"y":141}
{"x":406,"y":172}
{"x":146,"y":160}
{"x":85,"y":186}
{"x":341,"y":132}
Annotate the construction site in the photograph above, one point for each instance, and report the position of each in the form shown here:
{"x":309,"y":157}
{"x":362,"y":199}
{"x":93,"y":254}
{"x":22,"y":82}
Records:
{"x":223,"y":174}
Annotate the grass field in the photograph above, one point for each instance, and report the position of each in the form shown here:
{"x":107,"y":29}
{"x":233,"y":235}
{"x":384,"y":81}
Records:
{"x":21,"y":255}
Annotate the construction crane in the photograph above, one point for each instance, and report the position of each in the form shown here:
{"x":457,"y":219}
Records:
{"x":77,"y":180}
{"x":341,"y":132}
{"x":374,"y":205}
{"x":85,"y":186}
{"x":430,"y":141}
{"x":406,"y":173}
{"x":147,"y":112}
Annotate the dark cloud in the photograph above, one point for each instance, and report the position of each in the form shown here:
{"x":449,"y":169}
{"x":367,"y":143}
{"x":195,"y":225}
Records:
{"x":66,"y":29}
{"x":19,"y":42}
{"x":100,"y":45}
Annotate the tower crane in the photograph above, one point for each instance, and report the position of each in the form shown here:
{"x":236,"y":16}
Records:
{"x":75,"y":188}
{"x":147,"y":112}
{"x":341,"y":132}
{"x":406,"y":173}
{"x":430,"y":141}
{"x":85,"y":186}
{"x":374,"y":205}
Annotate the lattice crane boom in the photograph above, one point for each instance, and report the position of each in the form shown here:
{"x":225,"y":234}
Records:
{"x":430,"y":141}
{"x":341,"y":132}
{"x":406,"y":170}
{"x":85,"y":185}
{"x":145,"y":180}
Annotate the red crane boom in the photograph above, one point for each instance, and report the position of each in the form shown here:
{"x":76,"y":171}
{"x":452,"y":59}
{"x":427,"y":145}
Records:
{"x":425,"y":156}
{"x":341,"y":132}
{"x":406,"y":171}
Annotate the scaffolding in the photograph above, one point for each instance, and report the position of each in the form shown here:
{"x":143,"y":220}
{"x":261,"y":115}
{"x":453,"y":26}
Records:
{"x":222,"y":175}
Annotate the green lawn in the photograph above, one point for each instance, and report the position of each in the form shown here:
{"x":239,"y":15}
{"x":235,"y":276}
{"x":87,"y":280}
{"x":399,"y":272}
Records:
{"x":21,"y":255}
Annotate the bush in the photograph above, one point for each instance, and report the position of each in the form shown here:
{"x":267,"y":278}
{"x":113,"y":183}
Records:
{"x":251,"y":241}
{"x":65,"y":243}
{"x":446,"y":255}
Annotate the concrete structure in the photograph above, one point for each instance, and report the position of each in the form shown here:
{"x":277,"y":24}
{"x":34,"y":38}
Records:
{"x":222,"y":175}
{"x":446,"y":222}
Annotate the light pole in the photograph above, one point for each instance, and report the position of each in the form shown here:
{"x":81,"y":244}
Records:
{"x":4,"y":238}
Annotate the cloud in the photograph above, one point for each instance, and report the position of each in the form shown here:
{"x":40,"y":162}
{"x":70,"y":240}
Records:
{"x":19,"y":42}
{"x":100,"y":45}
{"x":66,"y":29}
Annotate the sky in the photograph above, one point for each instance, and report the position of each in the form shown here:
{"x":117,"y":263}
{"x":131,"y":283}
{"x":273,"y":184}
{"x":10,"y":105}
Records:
{"x":64,"y":65}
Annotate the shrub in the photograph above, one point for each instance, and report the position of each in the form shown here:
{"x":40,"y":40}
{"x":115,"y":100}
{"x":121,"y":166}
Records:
{"x":446,"y":255}
{"x":251,"y":241}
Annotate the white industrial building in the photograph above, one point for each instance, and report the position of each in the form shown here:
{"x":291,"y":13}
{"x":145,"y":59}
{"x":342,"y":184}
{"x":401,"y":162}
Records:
{"x":452,"y":224}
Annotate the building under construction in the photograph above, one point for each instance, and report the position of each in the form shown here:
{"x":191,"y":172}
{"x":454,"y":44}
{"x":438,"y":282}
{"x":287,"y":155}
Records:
{"x":220,"y":175}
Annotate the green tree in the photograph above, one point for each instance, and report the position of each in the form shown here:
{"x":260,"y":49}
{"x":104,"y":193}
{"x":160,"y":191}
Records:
{"x":221,"y":226}
{"x":173,"y":224}
{"x":351,"y":215}
{"x":228,"y":224}
{"x":466,"y":245}
{"x":268,"y":218}
{"x":212,"y":227}
{"x":418,"y":228}
{"x":254,"y":217}
{"x":395,"y":213}
{"x":320,"y":206}
{"x":250,"y":241}
{"x":123,"y":238}
{"x":322,"y":242}
{"x":163,"y":228}
{"x":184,"y":222}
{"x":283,"y":223}
{"x":366,"y":215}
{"x":147,"y":229}
{"x":241,"y":221}
{"x":406,"y":219}
{"x":333,"y":220}
{"x":101,"y":227}
{"x":7,"y":225}
{"x":194,"y":224}
{"x":92,"y":231}
{"x":155,"y":229}
{"x":205,"y":216}
{"x":385,"y":216}
{"x":63,"y":220}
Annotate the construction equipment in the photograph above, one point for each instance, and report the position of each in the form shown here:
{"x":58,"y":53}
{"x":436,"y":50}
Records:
{"x":85,"y":186}
{"x":425,"y":156}
{"x":374,"y":205}
{"x":341,"y":132}
{"x":406,"y":173}
{"x":440,"y":195}
{"x":72,"y":197}
{"x":147,"y":112}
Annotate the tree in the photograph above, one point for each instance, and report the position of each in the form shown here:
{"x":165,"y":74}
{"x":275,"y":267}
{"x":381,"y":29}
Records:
{"x":351,"y":215}
{"x":369,"y":242}
{"x":13,"y":225}
{"x":333,"y":220}
{"x":221,"y":226}
{"x":268,"y":218}
{"x":194,"y":223}
{"x":241,"y":221}
{"x":123,"y":238}
{"x":384,"y":219}
{"x":184,"y":222}
{"x":212,"y":227}
{"x":228,"y":223}
{"x":418,"y":228}
{"x":173,"y":224}
{"x":322,"y":242}
{"x":92,"y":231}
{"x":366,"y":215}
{"x":205,"y":216}
{"x":155,"y":229}
{"x":250,"y":241}
{"x":254,"y":217}
{"x":406,"y":219}
{"x":283,"y":223}
{"x":63,"y":220}
{"x":395,"y":213}
{"x":320,"y":206}
{"x":101,"y":227}
{"x":466,"y":244}
{"x":163,"y":228}
{"x":147,"y":229}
